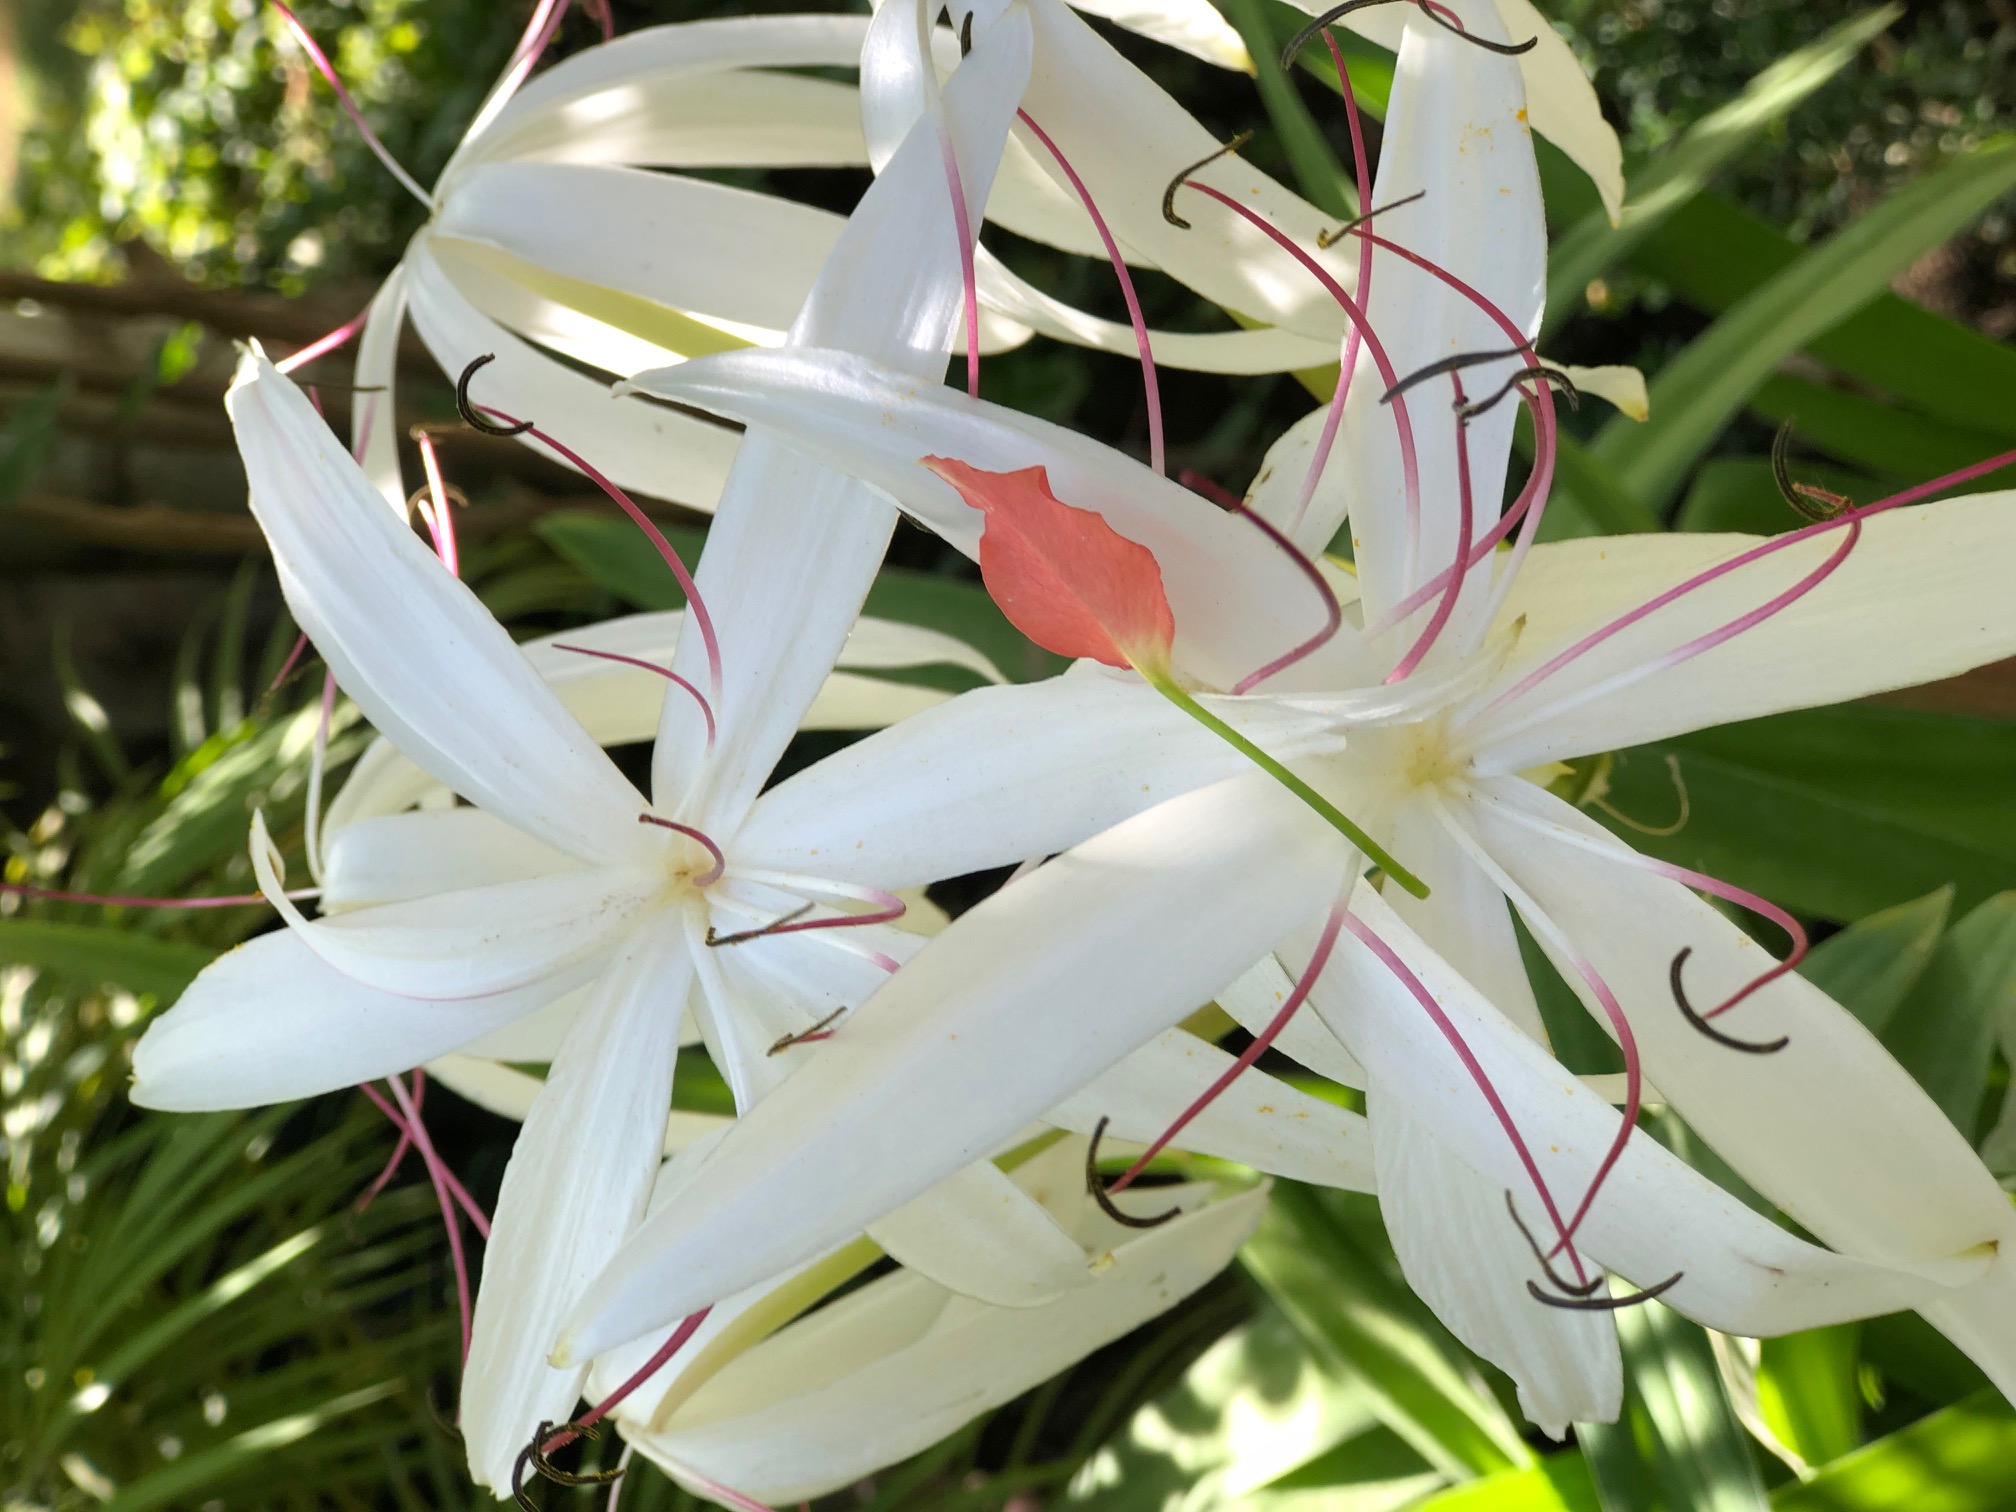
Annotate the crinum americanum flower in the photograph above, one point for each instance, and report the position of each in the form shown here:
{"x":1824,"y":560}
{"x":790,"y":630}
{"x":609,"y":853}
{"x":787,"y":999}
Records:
{"x":1499,"y":661}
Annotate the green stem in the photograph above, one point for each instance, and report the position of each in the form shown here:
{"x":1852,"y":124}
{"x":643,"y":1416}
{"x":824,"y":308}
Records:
{"x":1164,"y":684}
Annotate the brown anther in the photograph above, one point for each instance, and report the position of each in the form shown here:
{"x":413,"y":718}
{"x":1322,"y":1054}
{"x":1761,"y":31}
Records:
{"x":816,"y":1032}
{"x":759,"y":931}
{"x":1542,"y":372}
{"x":1814,"y":503}
{"x":966,"y":36}
{"x":534,"y":1457}
{"x":1503,"y":49}
{"x":467,"y":409}
{"x":1169,"y":195}
{"x":1701,"y":1024}
{"x":1096,"y":1187}
{"x":1428,"y":8}
{"x":1603,"y":1304}
{"x":1573,"y":1289}
{"x":1329,"y":239}
{"x":1454,"y":364}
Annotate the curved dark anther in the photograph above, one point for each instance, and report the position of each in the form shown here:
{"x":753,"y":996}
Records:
{"x":1503,"y":49}
{"x":1573,"y":1289}
{"x":1454,"y":364}
{"x":817,"y":1031}
{"x":534,"y":1457}
{"x":1816,"y":504}
{"x":966,"y":35}
{"x":467,"y":409}
{"x":760,"y":930}
{"x":1097,"y":1188}
{"x":1329,"y":239}
{"x":441,"y":1419}
{"x":1603,"y":1304}
{"x":1336,"y":13}
{"x":1169,"y":195}
{"x":1545,"y":374}
{"x":1700,"y":1024}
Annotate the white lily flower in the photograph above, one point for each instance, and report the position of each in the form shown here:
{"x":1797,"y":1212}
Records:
{"x":783,"y":1404}
{"x":1523,"y":658}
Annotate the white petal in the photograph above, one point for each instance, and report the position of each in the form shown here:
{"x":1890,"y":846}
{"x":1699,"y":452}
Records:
{"x":1655,"y":1216}
{"x":1466,"y":1261}
{"x":414,"y":647}
{"x":374,"y":424}
{"x":649,"y":448}
{"x":1255,"y":998}
{"x":1456,"y":129}
{"x":1830,"y":1128}
{"x":1191,"y":25}
{"x":497,"y":1088}
{"x":1000,"y":774}
{"x":977,"y":1234}
{"x":1259,"y":1120}
{"x":1922,"y":596}
{"x":1621,"y":385}
{"x":272,"y":1021}
{"x":576,"y":1185}
{"x":1025,"y":998}
{"x":898,"y":1365}
{"x":398,"y":857}
{"x":788,"y":563}
{"x":671,"y":95}
{"x":1239,"y":601}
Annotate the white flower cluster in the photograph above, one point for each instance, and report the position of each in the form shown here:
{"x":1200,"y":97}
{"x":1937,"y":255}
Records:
{"x":1314,"y":794}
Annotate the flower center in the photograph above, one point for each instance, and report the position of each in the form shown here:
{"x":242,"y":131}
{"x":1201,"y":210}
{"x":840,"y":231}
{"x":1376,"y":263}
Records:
{"x":693,"y":862}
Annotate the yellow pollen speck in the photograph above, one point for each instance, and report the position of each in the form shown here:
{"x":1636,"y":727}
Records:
{"x":1265,"y":1108}
{"x":1522,"y":113}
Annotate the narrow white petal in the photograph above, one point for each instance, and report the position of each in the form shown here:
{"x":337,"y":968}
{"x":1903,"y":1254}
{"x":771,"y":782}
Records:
{"x":395,"y":858}
{"x":1001,"y":774}
{"x":1830,"y":1128}
{"x":1259,"y":1120}
{"x":1924,"y":595}
{"x":898,"y":1365}
{"x":576,"y":1185}
{"x":1619,"y":384}
{"x":1655,"y":1216}
{"x":1194,"y":26}
{"x":1258,"y":995}
{"x":976,"y":1233}
{"x":414,"y":647}
{"x":374,"y":424}
{"x":1466,"y":1261}
{"x":1021,"y":1001}
{"x":497,"y":1088}
{"x":272,"y":1021}
{"x":788,"y":563}
{"x":1457,"y":130}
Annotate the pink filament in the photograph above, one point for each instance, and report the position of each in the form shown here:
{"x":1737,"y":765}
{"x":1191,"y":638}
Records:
{"x":1390,"y":959}
{"x":1634,"y":1087}
{"x":963,"y":233}
{"x":1333,"y":611}
{"x":118,"y":900}
{"x":644,"y":523}
{"x":324,"y":345}
{"x":1353,"y":340}
{"x":437,"y":1173}
{"x":1261,"y":1041}
{"x":399,"y":1150}
{"x":706,"y":709}
{"x":1466,"y":509}
{"x":440,"y":522}
{"x":891,"y":909}
{"x":1150,"y":383}
{"x":350,"y":108}
{"x":478,"y":1219}
{"x":1757,"y":904}
{"x":293,"y":657}
{"x":1409,"y":466}
{"x":713,"y":874}
{"x":688,"y":1326}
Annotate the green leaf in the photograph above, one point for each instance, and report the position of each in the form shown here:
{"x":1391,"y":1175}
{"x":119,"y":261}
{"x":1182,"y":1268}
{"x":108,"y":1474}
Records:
{"x":1682,"y":169}
{"x":26,"y":438}
{"x":1869,"y":967}
{"x":102,"y":954}
{"x":1678,"y":1437}
{"x":1944,"y":1032}
{"x":1808,"y":1392}
{"x":1371,"y":1329}
{"x":1697,"y":393}
{"x":1558,"y":1483}
{"x":1960,"y":1460}
{"x":1880,"y":436}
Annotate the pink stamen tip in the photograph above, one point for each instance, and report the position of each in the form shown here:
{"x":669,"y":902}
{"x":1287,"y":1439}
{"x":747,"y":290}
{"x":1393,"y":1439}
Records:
{"x":1150,"y":382}
{"x":706,"y":709}
{"x":1333,"y":612}
{"x":440,"y":521}
{"x":287,"y":667}
{"x":121,"y":900}
{"x":713,"y":874}
{"x":694,"y":602}
{"x":323,"y":345}
{"x":1465,"y":524}
{"x":350,"y":108}
{"x":675,"y":1342}
{"x":891,"y":908}
{"x":1402,"y":420}
{"x":1390,"y":959}
{"x":1261,"y":1041}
